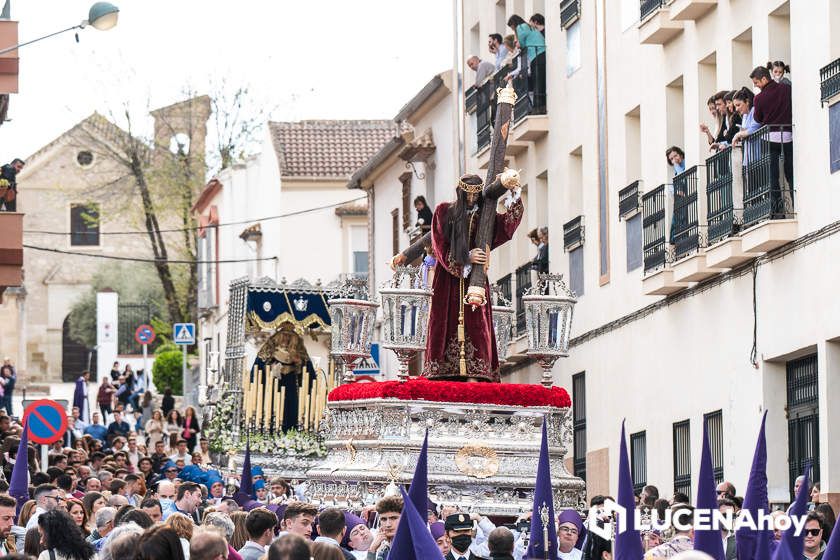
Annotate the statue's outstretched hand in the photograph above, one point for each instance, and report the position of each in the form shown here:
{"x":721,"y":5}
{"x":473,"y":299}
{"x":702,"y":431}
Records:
{"x":397,"y":260}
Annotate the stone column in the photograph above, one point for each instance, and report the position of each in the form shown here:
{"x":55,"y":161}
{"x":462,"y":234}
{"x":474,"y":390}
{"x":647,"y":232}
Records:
{"x":828,"y":382}
{"x":107,"y":311}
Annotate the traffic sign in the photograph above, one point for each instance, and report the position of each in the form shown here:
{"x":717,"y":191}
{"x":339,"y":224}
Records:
{"x":183,"y":333}
{"x":369,"y":366}
{"x":144,"y":334}
{"x":46,"y":421}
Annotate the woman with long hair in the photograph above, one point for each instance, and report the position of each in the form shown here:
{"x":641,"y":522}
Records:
{"x":145,"y":466}
{"x":191,"y":428}
{"x":240,"y":534}
{"x":26,"y":512}
{"x":173,"y":423}
{"x":158,"y":543}
{"x":424,"y":213}
{"x":77,"y":511}
{"x":32,"y":544}
{"x":533,"y":43}
{"x":62,"y":538}
{"x":93,"y":502}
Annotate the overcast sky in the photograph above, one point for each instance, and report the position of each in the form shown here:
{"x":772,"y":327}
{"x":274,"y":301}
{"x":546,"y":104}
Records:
{"x":308,"y":60}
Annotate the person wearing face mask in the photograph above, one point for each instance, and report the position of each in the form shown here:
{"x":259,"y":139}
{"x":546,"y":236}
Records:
{"x":459,"y":528}
{"x":165,"y":494}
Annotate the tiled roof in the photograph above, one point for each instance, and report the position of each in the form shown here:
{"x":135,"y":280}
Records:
{"x":358,"y":208}
{"x":328,"y":148}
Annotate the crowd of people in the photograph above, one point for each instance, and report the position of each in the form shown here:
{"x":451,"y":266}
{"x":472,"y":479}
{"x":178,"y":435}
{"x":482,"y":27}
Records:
{"x":521,"y":53}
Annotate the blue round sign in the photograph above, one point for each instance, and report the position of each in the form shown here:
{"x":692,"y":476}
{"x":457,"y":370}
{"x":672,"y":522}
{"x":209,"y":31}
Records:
{"x":46,"y":421}
{"x":144,"y":334}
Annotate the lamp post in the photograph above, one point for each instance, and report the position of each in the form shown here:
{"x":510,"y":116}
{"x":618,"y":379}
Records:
{"x":548,"y":318}
{"x":406,"y":303}
{"x":102,"y":16}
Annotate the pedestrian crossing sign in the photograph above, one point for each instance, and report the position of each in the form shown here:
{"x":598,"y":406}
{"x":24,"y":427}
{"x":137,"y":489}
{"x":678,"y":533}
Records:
{"x":183,"y":333}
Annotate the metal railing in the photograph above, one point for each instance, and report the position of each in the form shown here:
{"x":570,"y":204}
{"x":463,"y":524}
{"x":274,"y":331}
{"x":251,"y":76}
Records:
{"x":484,"y":112}
{"x":829,"y":81}
{"x":684,"y":224}
{"x":654,"y":231}
{"x":471,"y":99}
{"x":647,"y":7}
{"x":523,"y":282}
{"x":573,"y":233}
{"x":569,"y":12}
{"x":505,"y":286}
{"x":768,"y":174}
{"x":682,"y":457}
{"x":629,"y":199}
{"x":720,"y":214}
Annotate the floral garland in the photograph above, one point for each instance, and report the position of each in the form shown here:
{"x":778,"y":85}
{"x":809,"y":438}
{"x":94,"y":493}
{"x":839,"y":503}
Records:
{"x":293,"y":442}
{"x":455,"y":391}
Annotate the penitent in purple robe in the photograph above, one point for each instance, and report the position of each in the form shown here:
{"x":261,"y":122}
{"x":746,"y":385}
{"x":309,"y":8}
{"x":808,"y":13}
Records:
{"x":442,"y":347}
{"x":80,"y":399}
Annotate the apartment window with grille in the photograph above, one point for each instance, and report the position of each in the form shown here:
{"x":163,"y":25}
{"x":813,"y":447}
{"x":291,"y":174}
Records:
{"x":714,"y":428}
{"x":576,"y":271}
{"x":803,"y":418}
{"x":395,"y":231}
{"x":834,"y":137}
{"x":638,"y":460}
{"x":579,"y":424}
{"x":405,"y":179}
{"x":634,"y":242}
{"x":682,"y":457}
{"x":84,"y":224}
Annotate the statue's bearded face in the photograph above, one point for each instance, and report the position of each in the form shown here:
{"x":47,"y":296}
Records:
{"x":472,"y":198}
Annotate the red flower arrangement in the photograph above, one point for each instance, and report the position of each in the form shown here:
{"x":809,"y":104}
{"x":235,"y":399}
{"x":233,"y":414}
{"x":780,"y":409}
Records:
{"x":454,"y":391}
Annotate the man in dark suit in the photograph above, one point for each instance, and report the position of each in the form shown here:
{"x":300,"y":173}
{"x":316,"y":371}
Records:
{"x":459,"y":527}
{"x":9,"y":173}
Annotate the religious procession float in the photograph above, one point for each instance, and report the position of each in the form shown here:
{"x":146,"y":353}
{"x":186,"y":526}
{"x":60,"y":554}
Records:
{"x":356,"y":441}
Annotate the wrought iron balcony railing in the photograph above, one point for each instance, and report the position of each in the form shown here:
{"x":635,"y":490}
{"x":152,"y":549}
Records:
{"x":573,"y":233}
{"x":684,"y":224}
{"x":654,"y":228}
{"x":647,"y":7}
{"x":829,"y":81}
{"x":768,"y":174}
{"x":523,"y":282}
{"x":720,"y":211}
{"x":471,"y":99}
{"x":505,"y":286}
{"x":569,"y":12}
{"x":629,"y":200}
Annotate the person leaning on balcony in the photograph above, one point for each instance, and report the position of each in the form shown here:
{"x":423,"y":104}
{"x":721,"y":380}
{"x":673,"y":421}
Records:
{"x":773,"y":108}
{"x":537,"y":21}
{"x":720,"y":109}
{"x":8,"y":200}
{"x":676,"y":158}
{"x":482,"y":69}
{"x":533,"y":42}
{"x":743,"y":101}
{"x":495,"y":44}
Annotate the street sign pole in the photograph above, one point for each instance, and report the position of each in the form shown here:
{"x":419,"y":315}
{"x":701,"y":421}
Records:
{"x":146,"y":371}
{"x":184,"y":368}
{"x":45,"y":457}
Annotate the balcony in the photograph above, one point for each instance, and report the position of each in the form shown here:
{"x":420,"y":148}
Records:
{"x":689,"y":228}
{"x":11,"y":249}
{"x":829,"y":81}
{"x":769,"y":212}
{"x":529,"y":121}
{"x":657,"y":208}
{"x":9,"y":62}
{"x":655,"y":24}
{"x":569,"y":13}
{"x":573,"y":234}
{"x":691,"y":10}
{"x":629,"y":200}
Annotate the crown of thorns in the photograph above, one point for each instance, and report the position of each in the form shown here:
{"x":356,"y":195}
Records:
{"x":467,"y":187}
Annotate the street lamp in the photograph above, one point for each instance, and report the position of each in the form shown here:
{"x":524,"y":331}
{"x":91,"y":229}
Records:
{"x":102,"y":16}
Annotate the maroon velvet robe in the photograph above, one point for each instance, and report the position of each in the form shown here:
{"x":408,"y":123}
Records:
{"x":443,"y":351}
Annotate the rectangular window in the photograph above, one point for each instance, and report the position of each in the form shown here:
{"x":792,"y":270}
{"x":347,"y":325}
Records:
{"x":358,"y":250}
{"x":395,"y":231}
{"x":803,"y":418}
{"x":84,"y":224}
{"x":682,"y":457}
{"x":207,"y":269}
{"x":834,"y":136}
{"x":638,"y":460}
{"x":579,"y":424}
{"x":572,"y":48}
{"x":714,"y":427}
{"x":405,"y":179}
{"x":576,"y":271}
{"x":634,"y":242}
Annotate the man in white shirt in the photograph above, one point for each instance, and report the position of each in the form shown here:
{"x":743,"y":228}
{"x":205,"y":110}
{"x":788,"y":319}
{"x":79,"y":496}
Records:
{"x":497,"y":47}
{"x":182,"y":453}
{"x":47,"y":498}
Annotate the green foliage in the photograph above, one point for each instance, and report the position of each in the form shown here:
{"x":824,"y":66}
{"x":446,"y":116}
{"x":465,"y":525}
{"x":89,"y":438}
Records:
{"x":167,"y":371}
{"x":134,"y":282}
{"x":167,"y":346}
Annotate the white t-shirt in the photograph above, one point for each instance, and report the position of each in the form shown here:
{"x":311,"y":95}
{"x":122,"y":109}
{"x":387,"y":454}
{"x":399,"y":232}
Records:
{"x":573,"y":554}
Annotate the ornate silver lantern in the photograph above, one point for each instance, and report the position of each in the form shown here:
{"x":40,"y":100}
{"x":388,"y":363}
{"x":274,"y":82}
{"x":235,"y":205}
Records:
{"x":548,"y":319}
{"x":503,"y":314}
{"x":406,"y":303}
{"x":353,"y":316}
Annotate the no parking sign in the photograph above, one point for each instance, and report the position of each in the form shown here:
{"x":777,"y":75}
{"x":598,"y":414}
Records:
{"x":46,"y":421}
